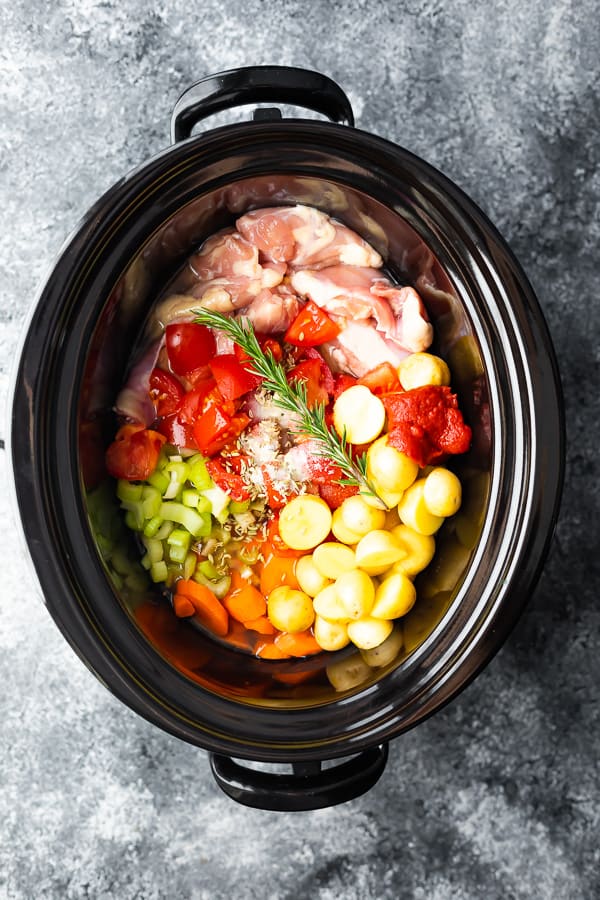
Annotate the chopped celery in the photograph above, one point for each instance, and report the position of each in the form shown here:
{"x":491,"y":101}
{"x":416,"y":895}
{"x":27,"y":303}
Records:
{"x":127,"y":492}
{"x":152,"y":525}
{"x":175,"y":487}
{"x":196,"y":523}
{"x":134,"y":517}
{"x":179,"y":543}
{"x":204,"y":504}
{"x":245,"y":519}
{"x":239,"y":506}
{"x":219,"y":588}
{"x":159,"y":571}
{"x":164,"y":531}
{"x":208,"y":569}
{"x":190,"y":498}
{"x":154,"y":549}
{"x":159,"y":480}
{"x":198,"y":473}
{"x":151,"y":500}
{"x":249,"y":554}
{"x":189,"y":565}
{"x":219,"y":502}
{"x":146,"y":561}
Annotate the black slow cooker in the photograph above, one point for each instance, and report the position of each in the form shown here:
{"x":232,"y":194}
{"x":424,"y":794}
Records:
{"x":329,"y":716}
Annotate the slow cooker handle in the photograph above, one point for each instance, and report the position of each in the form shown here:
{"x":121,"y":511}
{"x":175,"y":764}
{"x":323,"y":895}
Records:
{"x":308,"y":787}
{"x":259,"y":84}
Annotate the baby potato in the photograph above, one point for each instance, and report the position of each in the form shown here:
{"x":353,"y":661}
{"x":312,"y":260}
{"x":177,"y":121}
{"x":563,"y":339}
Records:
{"x":442,"y":492}
{"x":388,"y":468}
{"x":356,"y":593}
{"x":304,"y":522}
{"x":330,"y":635}
{"x":328,"y":606}
{"x":394,"y":597}
{"x":289,"y":609}
{"x":420,"y":369}
{"x":311,"y":581}
{"x":332,"y":559}
{"x":377,"y":551}
{"x":414,"y":512}
{"x":368,"y":632}
{"x":419,"y":550}
{"x":343,"y":534}
{"x":348,"y":673}
{"x":359,"y":517}
{"x":359,"y":414}
{"x":387,"y":652}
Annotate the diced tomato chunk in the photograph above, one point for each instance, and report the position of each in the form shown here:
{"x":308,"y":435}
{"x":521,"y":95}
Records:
{"x":232,"y":378}
{"x":134,"y":452}
{"x":309,"y":371}
{"x":166,"y":392}
{"x":382,"y":379}
{"x":189,"y":346}
{"x":311,"y":327}
{"x":230,"y":482}
{"x":334,"y":494}
{"x":426,"y":423}
{"x":341,"y":383}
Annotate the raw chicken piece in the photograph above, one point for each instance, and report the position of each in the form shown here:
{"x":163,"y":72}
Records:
{"x":229,"y":275}
{"x":304,"y":236}
{"x":273,"y":310}
{"x":347,"y":291}
{"x":133,"y":400}
{"x":413,"y":330}
{"x":360,"y":347}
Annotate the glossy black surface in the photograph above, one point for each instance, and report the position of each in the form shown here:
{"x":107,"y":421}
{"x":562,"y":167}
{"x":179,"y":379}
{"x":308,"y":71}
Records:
{"x":259,"y":84}
{"x":80,"y":337}
{"x":308,"y":787}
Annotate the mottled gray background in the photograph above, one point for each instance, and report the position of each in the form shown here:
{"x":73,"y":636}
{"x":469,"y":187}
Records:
{"x":496,"y":797}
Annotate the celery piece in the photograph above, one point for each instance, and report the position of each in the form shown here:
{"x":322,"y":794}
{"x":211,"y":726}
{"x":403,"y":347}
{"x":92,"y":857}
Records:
{"x":174,"y":488}
{"x":179,"y":544}
{"x":208,"y":569}
{"x":198,"y":524}
{"x":239,"y":506}
{"x":190,"y":497}
{"x":146,"y":561}
{"x":159,"y":480}
{"x":127,"y":492}
{"x":151,"y":500}
{"x":177,"y":554}
{"x":249,"y":554}
{"x":179,"y":468}
{"x":159,"y":571}
{"x":164,"y":531}
{"x":189,"y":565}
{"x":219,"y":502}
{"x":152,"y":525}
{"x":154,"y":548}
{"x":134,"y":517}
{"x":198,"y":473}
{"x":204,"y":505}
{"x":219,"y":588}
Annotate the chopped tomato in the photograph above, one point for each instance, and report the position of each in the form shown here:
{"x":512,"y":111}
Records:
{"x":189,"y":346}
{"x":166,"y":392}
{"x":178,"y":433}
{"x":237,"y":424}
{"x":341,"y":383}
{"x":310,"y":373}
{"x":326,"y":374}
{"x":134,"y":453}
{"x":194,"y":402}
{"x":230,"y":482}
{"x":311,"y":327}
{"x":211,"y":425}
{"x":232,"y":378}
{"x":382,"y":379}
{"x":267,"y":345}
{"x":275,"y":499}
{"x":334,"y":493}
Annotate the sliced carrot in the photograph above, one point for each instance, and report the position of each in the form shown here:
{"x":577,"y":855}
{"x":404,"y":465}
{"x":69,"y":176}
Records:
{"x":267,"y":649}
{"x":243,"y":601}
{"x":277,"y":570}
{"x":183,"y":606}
{"x":301,"y":643}
{"x":207,"y":607}
{"x":261,"y":624}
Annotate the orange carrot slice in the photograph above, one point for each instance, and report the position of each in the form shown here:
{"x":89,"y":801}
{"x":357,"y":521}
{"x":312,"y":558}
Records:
{"x":267,"y":649}
{"x":183,"y":606}
{"x":261,"y":624}
{"x":301,"y":643}
{"x":276,"y":571}
{"x":207,"y":607}
{"x":244,"y":602}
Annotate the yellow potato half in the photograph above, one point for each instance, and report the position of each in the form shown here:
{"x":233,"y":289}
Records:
{"x":304,"y":522}
{"x":413,"y":510}
{"x":289,"y":609}
{"x":420,"y":369}
{"x":442,"y":492}
{"x":394,"y":597}
{"x":368,"y":632}
{"x":358,"y":414}
{"x":377,"y":551}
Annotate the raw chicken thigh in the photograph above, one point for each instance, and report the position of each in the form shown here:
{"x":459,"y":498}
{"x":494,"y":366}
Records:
{"x":304,"y":236}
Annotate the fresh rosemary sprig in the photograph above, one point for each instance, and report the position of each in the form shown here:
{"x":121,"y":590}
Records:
{"x":292,"y":397}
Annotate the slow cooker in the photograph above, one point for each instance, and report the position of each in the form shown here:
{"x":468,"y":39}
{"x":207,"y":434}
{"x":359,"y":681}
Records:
{"x":328,"y":717}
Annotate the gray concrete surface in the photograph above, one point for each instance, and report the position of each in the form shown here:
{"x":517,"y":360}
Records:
{"x":497,"y":796}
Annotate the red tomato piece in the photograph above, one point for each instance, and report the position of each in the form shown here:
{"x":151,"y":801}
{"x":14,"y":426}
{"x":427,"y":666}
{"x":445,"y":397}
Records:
{"x":309,"y":371}
{"x":426,"y":423}
{"x":196,"y":400}
{"x":209,"y":426}
{"x":230,"y":482}
{"x":275,"y":499}
{"x":232,"y":378}
{"x":267,"y":345}
{"x":189,"y":346}
{"x":178,"y":433}
{"x":341,"y":383}
{"x":334,"y":494}
{"x":166,"y":392}
{"x":382,"y":379}
{"x":230,"y":434}
{"x":134,"y":453}
{"x":311,"y":327}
